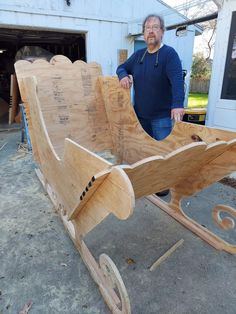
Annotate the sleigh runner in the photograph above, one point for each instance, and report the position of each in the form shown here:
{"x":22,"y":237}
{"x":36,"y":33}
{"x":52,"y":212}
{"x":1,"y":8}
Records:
{"x":94,"y":159}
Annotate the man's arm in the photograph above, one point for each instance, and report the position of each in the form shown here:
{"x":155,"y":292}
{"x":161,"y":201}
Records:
{"x":124,"y":70}
{"x":174,"y":73}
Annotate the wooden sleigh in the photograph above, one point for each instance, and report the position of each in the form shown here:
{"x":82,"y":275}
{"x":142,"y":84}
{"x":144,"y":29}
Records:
{"x":94,"y":158}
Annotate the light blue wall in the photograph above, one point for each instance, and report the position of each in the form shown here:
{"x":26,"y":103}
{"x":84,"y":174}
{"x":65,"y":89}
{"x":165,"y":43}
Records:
{"x":105,"y":22}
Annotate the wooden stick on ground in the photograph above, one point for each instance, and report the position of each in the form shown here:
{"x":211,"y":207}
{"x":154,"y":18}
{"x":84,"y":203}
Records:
{"x":166,"y":255}
{"x":26,"y":308}
{"x":3,"y":145}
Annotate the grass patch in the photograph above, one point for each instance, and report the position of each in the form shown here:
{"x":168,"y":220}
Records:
{"x":197,"y":100}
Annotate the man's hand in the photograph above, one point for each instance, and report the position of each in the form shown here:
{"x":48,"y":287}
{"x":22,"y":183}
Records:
{"x":177,"y":114}
{"x":126,"y":82}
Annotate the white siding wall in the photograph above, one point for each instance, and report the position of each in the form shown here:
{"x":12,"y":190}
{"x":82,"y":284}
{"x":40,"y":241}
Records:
{"x":184,"y":47}
{"x":221,"y":112}
{"x":105,"y":23}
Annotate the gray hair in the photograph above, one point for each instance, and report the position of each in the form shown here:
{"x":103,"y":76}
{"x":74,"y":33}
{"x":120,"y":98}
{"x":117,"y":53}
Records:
{"x":160,"y":18}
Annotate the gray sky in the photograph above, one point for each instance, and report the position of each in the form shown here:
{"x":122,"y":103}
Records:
{"x":200,"y":41}
{"x":173,"y":3}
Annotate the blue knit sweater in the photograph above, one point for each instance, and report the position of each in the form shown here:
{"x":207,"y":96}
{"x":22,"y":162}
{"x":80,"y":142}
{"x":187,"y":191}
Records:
{"x":158,"y":82}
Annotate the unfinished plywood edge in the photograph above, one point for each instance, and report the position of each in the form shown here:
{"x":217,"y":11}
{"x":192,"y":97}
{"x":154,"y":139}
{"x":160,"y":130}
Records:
{"x":192,"y":225}
{"x":87,"y":193}
{"x":113,"y":182}
{"x":226,"y":222}
{"x":104,"y":273}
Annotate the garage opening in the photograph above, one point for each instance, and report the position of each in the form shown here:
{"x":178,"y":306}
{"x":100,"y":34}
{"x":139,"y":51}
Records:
{"x":12,"y":43}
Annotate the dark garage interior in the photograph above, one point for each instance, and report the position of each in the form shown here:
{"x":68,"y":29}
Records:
{"x":17,"y":44}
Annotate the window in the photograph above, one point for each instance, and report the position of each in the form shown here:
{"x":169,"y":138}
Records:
{"x":229,"y":82}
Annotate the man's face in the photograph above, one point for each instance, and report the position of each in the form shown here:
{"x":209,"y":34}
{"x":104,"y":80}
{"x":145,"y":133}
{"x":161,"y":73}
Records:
{"x":152,"y":32}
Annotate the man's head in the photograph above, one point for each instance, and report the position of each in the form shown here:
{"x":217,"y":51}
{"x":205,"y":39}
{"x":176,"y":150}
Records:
{"x":153,"y":30}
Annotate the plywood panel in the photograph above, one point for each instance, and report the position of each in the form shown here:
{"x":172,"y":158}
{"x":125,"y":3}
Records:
{"x":69,"y":177}
{"x":70,"y":101}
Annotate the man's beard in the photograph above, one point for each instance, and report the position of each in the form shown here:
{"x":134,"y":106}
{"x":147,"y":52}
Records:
{"x":152,"y":41}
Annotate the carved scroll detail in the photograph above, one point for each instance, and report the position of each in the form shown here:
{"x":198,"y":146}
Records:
{"x":114,"y":281}
{"x":225,"y":223}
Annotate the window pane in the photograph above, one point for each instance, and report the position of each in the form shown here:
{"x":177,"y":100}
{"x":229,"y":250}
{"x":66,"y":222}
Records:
{"x":229,"y":82}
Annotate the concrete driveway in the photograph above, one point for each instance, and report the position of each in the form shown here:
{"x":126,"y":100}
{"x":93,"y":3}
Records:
{"x":39,"y":263}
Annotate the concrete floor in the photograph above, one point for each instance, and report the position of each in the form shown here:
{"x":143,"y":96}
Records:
{"x":39,"y":263}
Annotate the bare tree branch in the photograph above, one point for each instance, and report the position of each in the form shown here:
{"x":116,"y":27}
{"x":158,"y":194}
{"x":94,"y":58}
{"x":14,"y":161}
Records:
{"x":193,"y":9}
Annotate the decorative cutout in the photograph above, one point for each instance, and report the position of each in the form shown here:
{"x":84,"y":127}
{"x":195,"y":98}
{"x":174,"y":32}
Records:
{"x":115,"y":282}
{"x":225,"y":223}
{"x":196,"y":138}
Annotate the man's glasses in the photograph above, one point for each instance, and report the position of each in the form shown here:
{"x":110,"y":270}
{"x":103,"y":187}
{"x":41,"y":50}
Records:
{"x":152,"y":28}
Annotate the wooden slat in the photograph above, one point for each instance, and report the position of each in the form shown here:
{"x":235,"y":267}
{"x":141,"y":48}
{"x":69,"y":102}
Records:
{"x":195,"y":227}
{"x":15,"y":99}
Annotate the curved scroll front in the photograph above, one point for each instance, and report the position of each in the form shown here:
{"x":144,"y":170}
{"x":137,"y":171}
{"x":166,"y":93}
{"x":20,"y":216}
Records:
{"x":225,"y":223}
{"x":114,"y":281}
